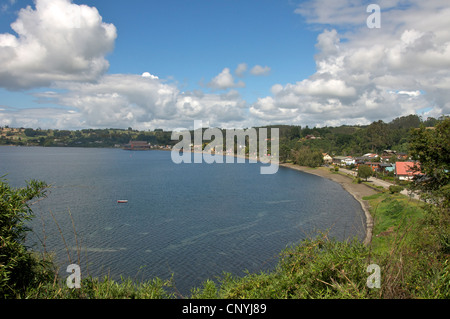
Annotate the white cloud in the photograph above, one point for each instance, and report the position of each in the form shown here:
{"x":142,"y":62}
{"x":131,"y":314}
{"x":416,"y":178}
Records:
{"x":260,"y":70}
{"x":337,"y":12}
{"x":40,"y":117}
{"x":147,"y":102}
{"x":224,"y":80}
{"x":241,"y":69}
{"x":148,"y":75}
{"x":361,"y":74}
{"x":369,"y":74}
{"x":57,"y":41}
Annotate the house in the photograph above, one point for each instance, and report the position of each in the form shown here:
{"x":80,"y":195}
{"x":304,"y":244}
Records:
{"x":375,"y":166}
{"x":361,"y":160}
{"x":389,"y":153}
{"x":137,"y":146}
{"x":349,"y":161}
{"x":402,"y":156}
{"x":343,"y":160}
{"x":390,"y":169}
{"x":327,"y":158}
{"x":339,"y":160}
{"x":385,"y":167}
{"x":405,"y":171}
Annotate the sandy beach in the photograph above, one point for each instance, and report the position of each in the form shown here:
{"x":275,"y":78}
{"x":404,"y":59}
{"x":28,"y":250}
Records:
{"x":358,"y":191}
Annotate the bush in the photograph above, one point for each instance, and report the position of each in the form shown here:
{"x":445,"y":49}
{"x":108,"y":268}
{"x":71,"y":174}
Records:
{"x":19,"y":267}
{"x":395,"y":189}
{"x":308,"y":157}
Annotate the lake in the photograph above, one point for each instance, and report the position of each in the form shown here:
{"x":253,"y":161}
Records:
{"x":195,"y":221}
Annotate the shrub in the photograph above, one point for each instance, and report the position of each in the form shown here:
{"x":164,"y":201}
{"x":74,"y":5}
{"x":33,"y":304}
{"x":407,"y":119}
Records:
{"x":19,"y":267}
{"x":395,"y":189}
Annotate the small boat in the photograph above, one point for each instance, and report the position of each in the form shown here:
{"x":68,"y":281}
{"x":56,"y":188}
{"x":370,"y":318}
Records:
{"x":122,"y":201}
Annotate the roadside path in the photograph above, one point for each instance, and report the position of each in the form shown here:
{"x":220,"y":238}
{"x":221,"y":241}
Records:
{"x":379,"y":182}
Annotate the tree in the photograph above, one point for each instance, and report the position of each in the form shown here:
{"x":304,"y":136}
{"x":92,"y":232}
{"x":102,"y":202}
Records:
{"x":29,"y":132}
{"x":431,"y":148}
{"x":307,"y":157}
{"x":284,"y":153}
{"x":364,"y":171}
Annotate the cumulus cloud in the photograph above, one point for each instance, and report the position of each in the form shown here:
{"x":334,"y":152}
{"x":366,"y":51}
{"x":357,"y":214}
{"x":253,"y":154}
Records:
{"x":148,"y":75}
{"x":241,"y":69}
{"x":40,"y":117}
{"x":143,"y":102}
{"x":369,"y":74}
{"x":260,"y":70}
{"x":361,"y":74}
{"x":224,"y":80}
{"x":56,"y":41}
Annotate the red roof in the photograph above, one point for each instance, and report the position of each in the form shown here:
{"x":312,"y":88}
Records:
{"x":406,"y":168}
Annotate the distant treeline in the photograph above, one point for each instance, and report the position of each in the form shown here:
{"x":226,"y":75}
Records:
{"x":352,"y":140}
{"x":81,"y":138}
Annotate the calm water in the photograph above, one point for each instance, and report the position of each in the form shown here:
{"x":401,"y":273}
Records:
{"x":195,"y":221}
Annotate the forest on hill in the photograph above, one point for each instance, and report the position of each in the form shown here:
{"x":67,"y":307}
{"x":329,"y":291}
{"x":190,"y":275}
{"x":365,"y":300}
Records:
{"x":353,"y":140}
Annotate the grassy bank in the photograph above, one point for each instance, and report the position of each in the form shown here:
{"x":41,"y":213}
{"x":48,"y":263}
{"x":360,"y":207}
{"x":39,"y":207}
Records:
{"x":411,"y":262}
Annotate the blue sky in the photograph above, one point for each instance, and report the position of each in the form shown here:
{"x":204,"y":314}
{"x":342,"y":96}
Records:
{"x":231,"y":63}
{"x":192,"y":41}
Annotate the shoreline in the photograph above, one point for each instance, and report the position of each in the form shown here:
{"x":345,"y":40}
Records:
{"x":358,"y":191}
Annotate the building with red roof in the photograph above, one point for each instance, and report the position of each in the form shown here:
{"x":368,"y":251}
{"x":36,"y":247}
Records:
{"x":407,"y":170}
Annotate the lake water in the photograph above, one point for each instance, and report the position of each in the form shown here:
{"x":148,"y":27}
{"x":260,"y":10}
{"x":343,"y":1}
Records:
{"x":195,"y":221}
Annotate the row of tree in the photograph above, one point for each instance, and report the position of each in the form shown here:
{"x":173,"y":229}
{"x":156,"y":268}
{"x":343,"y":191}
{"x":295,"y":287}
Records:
{"x":84,"y":138}
{"x":298,"y":144}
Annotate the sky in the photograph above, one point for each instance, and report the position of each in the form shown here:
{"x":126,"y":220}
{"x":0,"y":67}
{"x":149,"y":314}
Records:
{"x":228,"y":63}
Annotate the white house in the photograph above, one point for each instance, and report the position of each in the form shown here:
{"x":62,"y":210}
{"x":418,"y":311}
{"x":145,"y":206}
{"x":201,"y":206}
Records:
{"x":327,"y":158}
{"x":349,"y":161}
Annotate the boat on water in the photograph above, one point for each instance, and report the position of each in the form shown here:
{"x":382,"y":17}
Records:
{"x":122,"y":201}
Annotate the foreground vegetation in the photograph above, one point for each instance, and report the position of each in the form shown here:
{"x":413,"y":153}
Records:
{"x":411,"y":245}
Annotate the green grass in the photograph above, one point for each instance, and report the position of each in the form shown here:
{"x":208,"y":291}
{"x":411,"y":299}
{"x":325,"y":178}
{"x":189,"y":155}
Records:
{"x":106,"y":288}
{"x":394,"y":215}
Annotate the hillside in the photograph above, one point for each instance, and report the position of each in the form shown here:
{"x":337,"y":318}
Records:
{"x":342,"y":140}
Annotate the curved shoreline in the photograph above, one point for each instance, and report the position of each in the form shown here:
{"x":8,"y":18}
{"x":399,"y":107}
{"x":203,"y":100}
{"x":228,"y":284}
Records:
{"x":358,"y":191}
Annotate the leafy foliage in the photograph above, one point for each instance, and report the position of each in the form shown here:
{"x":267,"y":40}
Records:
{"x":431,"y":147}
{"x":395,"y":189}
{"x":19,"y":268}
{"x":308,"y":157}
{"x":364,"y":171}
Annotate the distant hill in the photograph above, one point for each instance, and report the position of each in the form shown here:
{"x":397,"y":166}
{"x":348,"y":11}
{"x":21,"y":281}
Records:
{"x":342,"y":140}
